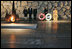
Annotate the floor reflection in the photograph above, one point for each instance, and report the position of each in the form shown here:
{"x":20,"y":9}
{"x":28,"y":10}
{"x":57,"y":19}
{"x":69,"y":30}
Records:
{"x":12,"y":41}
{"x":55,"y":27}
{"x":47,"y":35}
{"x":43,"y":25}
{"x":48,"y":27}
{"x":16,"y":31}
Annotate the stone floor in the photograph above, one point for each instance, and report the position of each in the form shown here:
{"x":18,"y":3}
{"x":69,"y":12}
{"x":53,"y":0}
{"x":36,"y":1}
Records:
{"x":46,"y":35}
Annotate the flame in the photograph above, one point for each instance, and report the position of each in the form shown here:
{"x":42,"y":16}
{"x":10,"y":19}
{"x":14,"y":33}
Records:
{"x":12,"y":19}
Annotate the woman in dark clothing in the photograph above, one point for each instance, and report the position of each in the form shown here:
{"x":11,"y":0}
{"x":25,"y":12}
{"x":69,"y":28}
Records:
{"x":45,"y":10}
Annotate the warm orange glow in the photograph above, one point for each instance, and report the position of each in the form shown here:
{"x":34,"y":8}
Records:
{"x":55,"y":26}
{"x":12,"y":41}
{"x":12,"y":19}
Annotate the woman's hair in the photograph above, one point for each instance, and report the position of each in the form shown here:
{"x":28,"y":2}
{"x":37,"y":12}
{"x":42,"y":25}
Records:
{"x":54,"y":8}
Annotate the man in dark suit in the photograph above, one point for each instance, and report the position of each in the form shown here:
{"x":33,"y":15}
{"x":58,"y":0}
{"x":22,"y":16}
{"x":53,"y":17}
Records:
{"x":34,"y":13}
{"x":25,"y":12}
{"x":30,"y":13}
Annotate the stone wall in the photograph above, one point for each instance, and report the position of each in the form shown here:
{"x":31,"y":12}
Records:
{"x":64,"y":7}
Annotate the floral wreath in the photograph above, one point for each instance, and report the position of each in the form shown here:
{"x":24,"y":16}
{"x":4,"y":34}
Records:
{"x":42,"y":15}
{"x":48,"y":16}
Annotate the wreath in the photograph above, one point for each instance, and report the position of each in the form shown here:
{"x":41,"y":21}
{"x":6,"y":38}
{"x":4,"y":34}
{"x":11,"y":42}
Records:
{"x":48,"y":16}
{"x":42,"y":16}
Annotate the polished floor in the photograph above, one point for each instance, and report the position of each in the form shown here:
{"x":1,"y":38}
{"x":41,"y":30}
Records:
{"x":46,"y":35}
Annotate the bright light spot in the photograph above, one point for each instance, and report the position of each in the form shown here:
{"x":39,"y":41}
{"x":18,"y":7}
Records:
{"x":12,"y":18}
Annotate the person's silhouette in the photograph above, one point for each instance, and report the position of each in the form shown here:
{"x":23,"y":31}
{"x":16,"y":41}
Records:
{"x":30,"y":13}
{"x":25,"y":12}
{"x":45,"y":10}
{"x":34,"y":13}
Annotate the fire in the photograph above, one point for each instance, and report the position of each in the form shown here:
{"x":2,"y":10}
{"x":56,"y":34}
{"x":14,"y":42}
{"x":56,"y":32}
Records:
{"x":12,"y":19}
